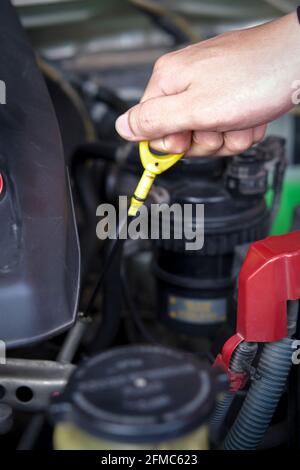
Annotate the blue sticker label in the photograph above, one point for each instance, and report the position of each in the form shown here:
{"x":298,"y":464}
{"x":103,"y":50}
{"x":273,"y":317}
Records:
{"x":199,"y":311}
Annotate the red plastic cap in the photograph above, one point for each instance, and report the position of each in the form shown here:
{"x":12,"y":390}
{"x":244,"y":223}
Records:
{"x":270,"y":276}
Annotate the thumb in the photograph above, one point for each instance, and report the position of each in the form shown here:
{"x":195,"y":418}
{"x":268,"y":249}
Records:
{"x":156,"y":117}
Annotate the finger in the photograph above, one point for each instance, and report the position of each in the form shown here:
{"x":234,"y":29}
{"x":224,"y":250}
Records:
{"x":205,"y":143}
{"x":259,"y":133}
{"x":157,"y":117}
{"x":174,"y":143}
{"x":208,"y":143}
{"x":152,"y":90}
{"x":236,"y":142}
{"x":164,"y":79}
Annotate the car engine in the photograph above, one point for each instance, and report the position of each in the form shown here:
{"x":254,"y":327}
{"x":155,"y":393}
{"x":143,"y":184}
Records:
{"x":147,"y":342}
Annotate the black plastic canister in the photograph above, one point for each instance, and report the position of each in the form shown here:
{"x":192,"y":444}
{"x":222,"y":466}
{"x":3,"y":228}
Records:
{"x":194,"y":286}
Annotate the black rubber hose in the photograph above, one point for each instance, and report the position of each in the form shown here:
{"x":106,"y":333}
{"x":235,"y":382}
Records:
{"x":262,"y":398}
{"x":109,"y":97}
{"x":87,"y":191}
{"x":99,"y":150}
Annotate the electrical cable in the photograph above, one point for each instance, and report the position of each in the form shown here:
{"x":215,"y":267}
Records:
{"x":148,"y":337}
{"x":173,"y":24}
{"x":114,"y":246}
{"x":52,"y":73}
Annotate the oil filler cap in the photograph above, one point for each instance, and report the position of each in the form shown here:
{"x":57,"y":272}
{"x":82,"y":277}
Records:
{"x":138,"y":394}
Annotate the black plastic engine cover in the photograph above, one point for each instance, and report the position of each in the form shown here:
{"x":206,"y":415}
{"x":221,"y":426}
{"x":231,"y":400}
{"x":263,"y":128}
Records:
{"x":39,"y":251}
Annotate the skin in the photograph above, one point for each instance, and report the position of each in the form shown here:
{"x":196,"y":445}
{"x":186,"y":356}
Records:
{"x":217,"y":97}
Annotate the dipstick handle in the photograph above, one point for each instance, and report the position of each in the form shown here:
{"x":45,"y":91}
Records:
{"x":153,"y":165}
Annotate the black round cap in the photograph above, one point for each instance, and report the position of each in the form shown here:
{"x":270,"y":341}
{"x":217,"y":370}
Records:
{"x":138,"y":394}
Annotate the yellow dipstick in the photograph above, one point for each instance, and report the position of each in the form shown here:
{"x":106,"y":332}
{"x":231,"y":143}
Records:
{"x":153,"y":165}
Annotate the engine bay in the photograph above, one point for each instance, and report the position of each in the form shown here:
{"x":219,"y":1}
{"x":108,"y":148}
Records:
{"x":164,"y":341}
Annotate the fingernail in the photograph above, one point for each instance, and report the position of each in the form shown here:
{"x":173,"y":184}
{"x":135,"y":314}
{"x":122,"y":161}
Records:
{"x":165,"y":143}
{"x":122,"y":126}
{"x":158,"y":144}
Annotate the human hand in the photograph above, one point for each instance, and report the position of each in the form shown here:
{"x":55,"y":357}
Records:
{"x":216,"y":97}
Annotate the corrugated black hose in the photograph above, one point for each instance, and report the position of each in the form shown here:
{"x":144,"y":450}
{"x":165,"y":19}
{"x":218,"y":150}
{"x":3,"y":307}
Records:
{"x":264,"y":393}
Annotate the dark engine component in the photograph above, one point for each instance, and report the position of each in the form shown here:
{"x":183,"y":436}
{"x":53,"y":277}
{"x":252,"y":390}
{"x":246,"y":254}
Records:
{"x":39,"y":260}
{"x":247,"y":176}
{"x":195,"y":286}
{"x":136,"y":396}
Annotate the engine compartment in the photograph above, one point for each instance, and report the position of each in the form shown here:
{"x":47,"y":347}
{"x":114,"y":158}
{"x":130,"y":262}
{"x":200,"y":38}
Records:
{"x":148,"y":348}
